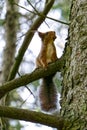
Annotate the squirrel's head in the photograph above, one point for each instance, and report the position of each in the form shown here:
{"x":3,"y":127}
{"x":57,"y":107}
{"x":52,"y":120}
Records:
{"x":48,"y":36}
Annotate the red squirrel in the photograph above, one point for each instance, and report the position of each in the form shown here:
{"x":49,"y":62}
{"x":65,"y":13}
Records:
{"x":47,"y":54}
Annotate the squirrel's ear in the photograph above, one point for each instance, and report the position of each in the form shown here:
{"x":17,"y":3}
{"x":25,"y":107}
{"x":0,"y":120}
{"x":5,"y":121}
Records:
{"x":41,"y":35}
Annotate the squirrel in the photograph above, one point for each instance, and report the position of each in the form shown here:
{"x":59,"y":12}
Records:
{"x":47,"y":90}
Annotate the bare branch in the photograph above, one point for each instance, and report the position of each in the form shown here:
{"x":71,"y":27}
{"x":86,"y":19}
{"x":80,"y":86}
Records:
{"x":32,"y":116}
{"x":32,"y":6}
{"x":24,"y":8}
{"x":40,"y":14}
{"x":59,"y":21}
{"x":28,"y":78}
{"x":27,"y":87}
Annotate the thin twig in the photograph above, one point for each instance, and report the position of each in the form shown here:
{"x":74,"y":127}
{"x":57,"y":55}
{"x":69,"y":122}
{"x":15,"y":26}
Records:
{"x":27,"y":86}
{"x":40,"y":14}
{"x":37,"y":12}
{"x":32,"y":6}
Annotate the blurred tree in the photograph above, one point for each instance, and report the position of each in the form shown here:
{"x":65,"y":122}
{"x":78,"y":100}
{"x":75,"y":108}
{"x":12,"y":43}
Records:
{"x":10,"y":37}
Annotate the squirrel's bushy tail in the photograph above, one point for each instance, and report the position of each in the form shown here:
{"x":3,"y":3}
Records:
{"x":48,"y":94}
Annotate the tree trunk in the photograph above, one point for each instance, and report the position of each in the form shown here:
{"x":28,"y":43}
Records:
{"x":10,"y":48}
{"x":74,"y":93}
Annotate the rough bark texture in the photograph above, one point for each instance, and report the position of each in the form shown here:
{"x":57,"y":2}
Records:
{"x":74,"y":93}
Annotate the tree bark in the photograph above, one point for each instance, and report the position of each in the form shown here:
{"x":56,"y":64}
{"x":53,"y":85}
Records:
{"x":74,"y":92}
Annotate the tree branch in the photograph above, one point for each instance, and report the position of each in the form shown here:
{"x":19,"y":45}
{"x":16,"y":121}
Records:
{"x":28,"y":78}
{"x":40,"y":14}
{"x":32,"y":116}
{"x":28,"y":39}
